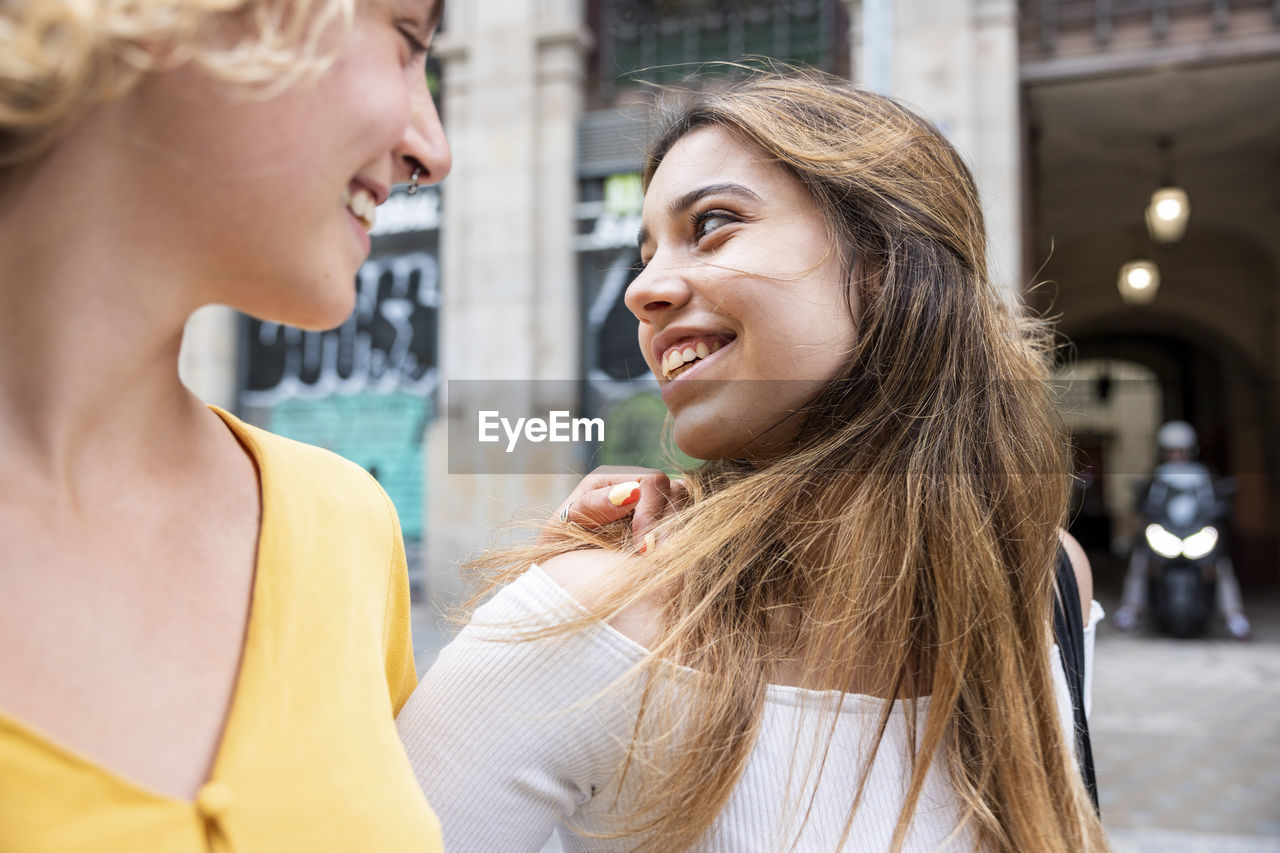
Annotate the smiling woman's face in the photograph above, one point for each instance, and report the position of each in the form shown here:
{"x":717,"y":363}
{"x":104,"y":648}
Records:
{"x":267,"y":202}
{"x":741,"y":278}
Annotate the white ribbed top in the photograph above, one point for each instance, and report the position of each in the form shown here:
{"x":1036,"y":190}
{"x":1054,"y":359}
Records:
{"x":508,"y":750}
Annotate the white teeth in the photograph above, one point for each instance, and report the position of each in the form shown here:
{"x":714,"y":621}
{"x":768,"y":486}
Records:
{"x":674,"y":359}
{"x":362,"y":204}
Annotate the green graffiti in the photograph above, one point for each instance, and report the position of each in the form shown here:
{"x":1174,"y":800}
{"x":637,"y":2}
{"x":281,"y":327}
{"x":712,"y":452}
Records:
{"x":382,"y":433}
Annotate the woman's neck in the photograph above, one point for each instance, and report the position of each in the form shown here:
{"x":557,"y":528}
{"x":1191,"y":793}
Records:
{"x":91,"y":321}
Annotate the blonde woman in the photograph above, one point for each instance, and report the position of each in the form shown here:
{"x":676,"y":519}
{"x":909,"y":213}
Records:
{"x":843,"y":640}
{"x":205,"y":627}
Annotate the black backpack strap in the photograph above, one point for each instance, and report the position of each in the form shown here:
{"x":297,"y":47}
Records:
{"x":1068,"y":633}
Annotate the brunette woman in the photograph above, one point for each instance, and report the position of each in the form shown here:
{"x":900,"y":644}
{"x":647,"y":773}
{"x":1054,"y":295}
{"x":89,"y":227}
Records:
{"x":843,"y":641}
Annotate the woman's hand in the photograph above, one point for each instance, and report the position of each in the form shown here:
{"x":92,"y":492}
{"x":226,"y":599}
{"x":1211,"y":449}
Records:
{"x":612,"y":492}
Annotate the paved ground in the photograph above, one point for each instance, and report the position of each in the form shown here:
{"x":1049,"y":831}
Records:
{"x":1187,"y":738}
{"x":1186,"y":735}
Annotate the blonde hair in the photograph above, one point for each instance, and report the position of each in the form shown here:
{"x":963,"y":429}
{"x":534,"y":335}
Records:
{"x":60,"y":58}
{"x":906,"y":544}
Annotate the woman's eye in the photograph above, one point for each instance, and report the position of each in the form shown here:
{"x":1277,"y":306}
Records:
{"x":706,"y":222}
{"x":417,"y":47}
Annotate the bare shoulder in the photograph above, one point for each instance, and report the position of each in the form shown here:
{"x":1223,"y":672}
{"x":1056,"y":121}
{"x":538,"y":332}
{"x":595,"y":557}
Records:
{"x":1084,"y":574}
{"x":585,"y":573}
{"x":588,"y":574}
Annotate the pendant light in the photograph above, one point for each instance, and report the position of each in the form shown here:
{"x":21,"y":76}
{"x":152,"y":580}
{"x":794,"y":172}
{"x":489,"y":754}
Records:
{"x":1138,"y":282}
{"x":1170,"y":207}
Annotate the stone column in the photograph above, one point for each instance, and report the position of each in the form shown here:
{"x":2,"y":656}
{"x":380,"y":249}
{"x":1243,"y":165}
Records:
{"x":956,"y":63}
{"x":514,"y":75}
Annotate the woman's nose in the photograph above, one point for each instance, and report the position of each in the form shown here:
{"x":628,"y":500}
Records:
{"x":658,"y":289}
{"x":424,"y":145}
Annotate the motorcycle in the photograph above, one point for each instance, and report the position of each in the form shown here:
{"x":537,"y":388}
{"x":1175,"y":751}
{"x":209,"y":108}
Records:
{"x":1183,"y":539}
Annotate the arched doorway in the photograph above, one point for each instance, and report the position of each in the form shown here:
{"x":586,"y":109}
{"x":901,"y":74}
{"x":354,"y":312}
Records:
{"x":1127,"y":377}
{"x":1211,"y":335}
{"x":1112,"y":407}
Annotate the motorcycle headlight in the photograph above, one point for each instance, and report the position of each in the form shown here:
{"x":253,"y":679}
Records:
{"x":1200,"y":543}
{"x":1163,"y":542}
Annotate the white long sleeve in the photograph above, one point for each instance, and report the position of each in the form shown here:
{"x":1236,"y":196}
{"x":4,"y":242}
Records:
{"x":493,"y":732}
{"x":508,"y":747}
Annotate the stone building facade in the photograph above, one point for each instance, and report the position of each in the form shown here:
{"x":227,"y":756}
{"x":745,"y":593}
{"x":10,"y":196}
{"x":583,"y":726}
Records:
{"x":514,"y":269}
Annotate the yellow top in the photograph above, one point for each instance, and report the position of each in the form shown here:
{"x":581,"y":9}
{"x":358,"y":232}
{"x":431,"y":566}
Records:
{"x":309,"y":759}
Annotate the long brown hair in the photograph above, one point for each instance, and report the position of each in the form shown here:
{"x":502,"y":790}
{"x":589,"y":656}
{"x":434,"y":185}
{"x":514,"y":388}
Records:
{"x":906,"y":543}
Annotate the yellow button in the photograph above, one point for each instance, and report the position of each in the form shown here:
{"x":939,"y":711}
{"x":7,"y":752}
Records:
{"x":213,"y":800}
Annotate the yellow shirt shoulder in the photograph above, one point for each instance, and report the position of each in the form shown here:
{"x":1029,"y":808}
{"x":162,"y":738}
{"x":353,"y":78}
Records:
{"x":310,"y":759}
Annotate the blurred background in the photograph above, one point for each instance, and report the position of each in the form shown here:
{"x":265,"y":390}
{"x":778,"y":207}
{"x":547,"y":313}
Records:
{"x":1128,"y":155}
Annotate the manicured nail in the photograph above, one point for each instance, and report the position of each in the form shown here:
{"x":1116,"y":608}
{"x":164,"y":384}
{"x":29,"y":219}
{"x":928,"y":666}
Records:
{"x":650,"y":542}
{"x":625,"y":494}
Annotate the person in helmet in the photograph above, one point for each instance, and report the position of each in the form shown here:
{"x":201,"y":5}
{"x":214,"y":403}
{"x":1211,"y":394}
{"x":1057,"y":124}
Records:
{"x":1179,"y":471}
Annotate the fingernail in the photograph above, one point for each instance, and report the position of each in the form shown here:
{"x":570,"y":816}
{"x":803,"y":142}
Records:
{"x":650,"y":542}
{"x":625,"y":494}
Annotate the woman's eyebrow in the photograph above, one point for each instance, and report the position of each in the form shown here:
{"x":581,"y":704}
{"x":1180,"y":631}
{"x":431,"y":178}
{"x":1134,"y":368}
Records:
{"x":689,"y":199}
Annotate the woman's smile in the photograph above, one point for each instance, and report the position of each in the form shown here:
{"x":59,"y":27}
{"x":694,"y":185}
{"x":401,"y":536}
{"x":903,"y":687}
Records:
{"x":360,"y":202}
{"x":679,"y":380}
{"x":678,"y":350}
